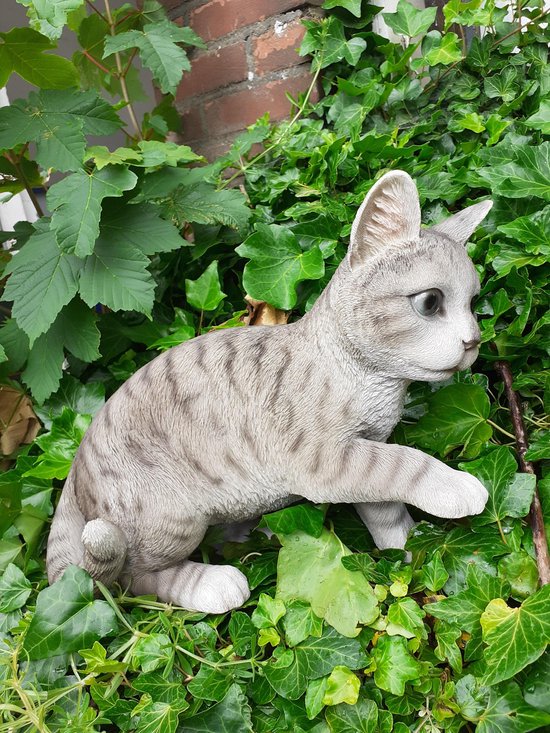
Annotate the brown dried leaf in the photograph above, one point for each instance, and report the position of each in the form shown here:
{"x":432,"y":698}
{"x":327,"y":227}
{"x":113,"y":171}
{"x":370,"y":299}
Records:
{"x":263,"y":314}
{"x":18,"y":423}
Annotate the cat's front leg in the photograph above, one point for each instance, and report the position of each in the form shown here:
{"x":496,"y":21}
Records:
{"x":388,"y":522}
{"x":366,"y":471}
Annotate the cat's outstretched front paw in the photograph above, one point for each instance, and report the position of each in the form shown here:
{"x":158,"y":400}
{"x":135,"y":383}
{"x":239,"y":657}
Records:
{"x":220,"y":589}
{"x":453,"y":494}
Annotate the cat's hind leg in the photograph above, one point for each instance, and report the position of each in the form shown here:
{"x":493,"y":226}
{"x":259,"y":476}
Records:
{"x":389,"y":523}
{"x":196,"y":586}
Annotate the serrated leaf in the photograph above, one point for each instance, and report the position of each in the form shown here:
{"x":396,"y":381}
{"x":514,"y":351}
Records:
{"x":313,"y":658}
{"x":457,"y":416}
{"x":76,"y":204}
{"x":205,"y":292}
{"x":409,"y":20}
{"x":67,"y":618}
{"x":516,"y":637}
{"x":156,"y":153}
{"x":102,"y":156}
{"x":22,"y":52}
{"x":203,"y":204}
{"x":116,"y":275}
{"x":510,"y":493}
{"x":58,"y":122}
{"x":50,"y":16}
{"x":42,"y":280}
{"x":141,"y":226}
{"x":14,"y":589}
{"x":277,"y":264}
{"x":310,"y":569}
{"x":395,"y":665}
{"x":527,"y":175}
{"x":158,"y":50}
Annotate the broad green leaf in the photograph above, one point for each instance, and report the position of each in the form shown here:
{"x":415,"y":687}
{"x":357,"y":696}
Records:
{"x":50,"y":16}
{"x":231,"y":715}
{"x":302,"y":517}
{"x":540,"y":120}
{"x":502,"y":85}
{"x":507,"y":712}
{"x":141,"y":226}
{"x":153,"y":651}
{"x":395,"y":665}
{"x":154,"y":152}
{"x":517,"y":638}
{"x":163,"y":687}
{"x":158,"y":50}
{"x":313,"y":658}
{"x":532,"y":230}
{"x":353,"y":6}
{"x":527,"y":175}
{"x":313,"y":700}
{"x":203,"y":204}
{"x":444,"y":49}
{"x":405,"y":618}
{"x":116,"y":275}
{"x":434,"y":575}
{"x":359,"y":718}
{"x":84,"y":399}
{"x":60,"y":445}
{"x":67,"y":618}
{"x":300,"y":622}
{"x":510,"y":493}
{"x":102,"y":156}
{"x":342,"y":686}
{"x":310,"y":569}
{"x":464,"y":609}
{"x":520,"y":570}
{"x":42,"y":280}
{"x":14,"y":589}
{"x":474,"y":12}
{"x":159,"y":717}
{"x":211,"y":683}
{"x":205,"y":292}
{"x":22,"y":52}
{"x":457,"y":417}
{"x":277,"y":264}
{"x":76,"y":205}
{"x":57,"y":121}
{"x":409,"y":20}
{"x":536,"y":689}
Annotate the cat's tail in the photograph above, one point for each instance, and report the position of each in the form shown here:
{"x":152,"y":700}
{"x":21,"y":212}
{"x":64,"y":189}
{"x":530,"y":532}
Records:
{"x":98,"y":546}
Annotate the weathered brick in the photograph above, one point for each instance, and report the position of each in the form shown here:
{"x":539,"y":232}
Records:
{"x":219,"y":17}
{"x":236,"y":111}
{"x":191,"y":124}
{"x":213,"y":70}
{"x":277,"y":49}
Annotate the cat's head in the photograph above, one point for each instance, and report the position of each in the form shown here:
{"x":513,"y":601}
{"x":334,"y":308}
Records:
{"x":404,"y":295}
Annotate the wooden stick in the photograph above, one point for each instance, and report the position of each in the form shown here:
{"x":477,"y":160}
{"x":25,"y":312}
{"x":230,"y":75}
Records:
{"x":535,"y":515}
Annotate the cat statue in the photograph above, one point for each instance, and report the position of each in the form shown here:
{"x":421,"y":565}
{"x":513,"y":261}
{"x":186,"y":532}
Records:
{"x":240,"y":422}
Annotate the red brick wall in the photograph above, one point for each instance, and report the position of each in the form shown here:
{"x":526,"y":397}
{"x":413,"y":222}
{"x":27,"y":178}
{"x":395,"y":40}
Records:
{"x":251,"y":63}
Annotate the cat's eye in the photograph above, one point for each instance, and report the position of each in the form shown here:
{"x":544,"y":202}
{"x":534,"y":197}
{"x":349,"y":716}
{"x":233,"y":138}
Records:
{"x":427,"y":303}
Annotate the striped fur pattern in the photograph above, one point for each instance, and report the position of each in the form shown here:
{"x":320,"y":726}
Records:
{"x":240,"y":422}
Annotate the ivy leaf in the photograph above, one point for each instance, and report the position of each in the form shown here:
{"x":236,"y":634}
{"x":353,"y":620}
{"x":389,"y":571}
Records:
{"x":520,"y":570}
{"x":532,"y":230}
{"x":310,"y":569}
{"x":60,"y":445}
{"x":76,"y":203}
{"x":277,"y":264}
{"x":300,"y":622}
{"x":527,"y":175}
{"x":443,"y":50}
{"x":516,"y":637}
{"x":268,"y":612}
{"x":457,"y":416}
{"x":153,"y":651}
{"x":14,"y":589}
{"x":510,"y":493}
{"x":341,"y":686}
{"x":540,"y":120}
{"x":57,"y":121}
{"x":447,"y":648}
{"x":42,"y":280}
{"x":231,"y":715}
{"x":96,"y":660}
{"x":502,"y":85}
{"x":405,"y":618}
{"x":313,"y":658}
{"x":141,"y":226}
{"x":210,"y":683}
{"x":329,"y":38}
{"x":507,"y":712}
{"x":536,"y":689}
{"x":395,"y":665}
{"x":205,"y":292}
{"x":22,"y":52}
{"x":158,"y":50}
{"x":465,"y":608}
{"x":67,"y":618}
{"x":302,"y":517}
{"x":203,"y":204}
{"x":359,"y":718}
{"x":84,"y":399}
{"x":353,"y":6}
{"x":159,"y":717}
{"x":50,"y":16}
{"x":165,"y":687}
{"x":433,"y":574}
{"x":116,"y":275}
{"x":409,"y":20}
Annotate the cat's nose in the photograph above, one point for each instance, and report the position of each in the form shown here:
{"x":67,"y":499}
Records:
{"x":472,"y":344}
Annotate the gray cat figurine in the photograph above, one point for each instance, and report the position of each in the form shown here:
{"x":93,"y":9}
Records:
{"x":244,"y":421}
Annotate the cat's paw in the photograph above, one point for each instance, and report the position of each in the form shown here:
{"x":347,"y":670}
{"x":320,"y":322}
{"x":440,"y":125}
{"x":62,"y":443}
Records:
{"x":463,"y":496}
{"x":220,"y":589}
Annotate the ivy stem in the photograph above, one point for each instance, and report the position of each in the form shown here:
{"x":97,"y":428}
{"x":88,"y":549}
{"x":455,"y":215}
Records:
{"x":537,"y":520}
{"x":122,"y":76}
{"x":504,"y":432}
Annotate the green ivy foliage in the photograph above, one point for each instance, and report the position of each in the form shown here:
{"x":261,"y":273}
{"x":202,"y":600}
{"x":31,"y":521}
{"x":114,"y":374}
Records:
{"x":139,"y":252}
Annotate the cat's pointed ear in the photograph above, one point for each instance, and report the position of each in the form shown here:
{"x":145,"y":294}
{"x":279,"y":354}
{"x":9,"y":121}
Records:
{"x":461,"y":226}
{"x":389,"y":214}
